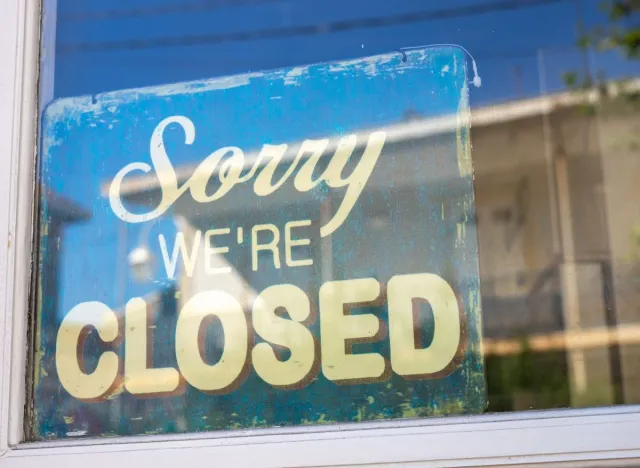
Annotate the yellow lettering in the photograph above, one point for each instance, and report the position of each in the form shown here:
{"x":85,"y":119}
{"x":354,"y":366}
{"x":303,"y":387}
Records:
{"x":180,"y":247}
{"x":332,"y":175}
{"x":289,"y":243}
{"x":263,"y":184}
{"x":302,"y":364}
{"x":304,"y":178}
{"x":193,"y":321}
{"x":139,"y":376}
{"x":73,"y":332}
{"x":228,"y":174}
{"x":355,"y":182}
{"x":211,"y":251}
{"x":406,"y":360}
{"x":164,"y":172}
{"x":272,"y":246}
{"x":339,"y":331}
{"x":229,"y":171}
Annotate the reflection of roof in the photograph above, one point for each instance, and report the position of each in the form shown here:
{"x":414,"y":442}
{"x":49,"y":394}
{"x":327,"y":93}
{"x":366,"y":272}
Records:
{"x":420,"y":128}
{"x":565,"y":340}
{"x":64,"y":210}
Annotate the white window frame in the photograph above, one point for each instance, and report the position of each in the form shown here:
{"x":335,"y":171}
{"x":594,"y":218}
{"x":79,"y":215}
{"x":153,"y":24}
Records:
{"x":598,"y":437}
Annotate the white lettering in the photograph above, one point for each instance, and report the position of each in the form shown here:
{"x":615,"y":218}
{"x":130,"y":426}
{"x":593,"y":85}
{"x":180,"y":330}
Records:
{"x":229,"y":172}
{"x":180,"y":246}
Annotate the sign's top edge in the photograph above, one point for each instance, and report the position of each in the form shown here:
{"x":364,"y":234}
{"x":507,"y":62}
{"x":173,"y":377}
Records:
{"x":105,"y":102}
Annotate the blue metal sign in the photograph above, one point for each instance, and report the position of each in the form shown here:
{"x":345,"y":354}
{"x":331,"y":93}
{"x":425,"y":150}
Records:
{"x":281,"y":248}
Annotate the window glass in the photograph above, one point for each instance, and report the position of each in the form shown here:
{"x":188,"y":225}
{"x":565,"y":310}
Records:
{"x":260,"y":213}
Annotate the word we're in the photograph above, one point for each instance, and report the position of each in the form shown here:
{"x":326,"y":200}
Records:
{"x":209,"y":251}
{"x":229,"y":162}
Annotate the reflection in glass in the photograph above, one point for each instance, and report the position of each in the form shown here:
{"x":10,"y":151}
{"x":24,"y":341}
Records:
{"x":556,"y":170}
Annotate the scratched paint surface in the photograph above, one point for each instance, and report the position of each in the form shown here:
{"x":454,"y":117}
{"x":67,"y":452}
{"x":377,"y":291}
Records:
{"x":415,"y":215}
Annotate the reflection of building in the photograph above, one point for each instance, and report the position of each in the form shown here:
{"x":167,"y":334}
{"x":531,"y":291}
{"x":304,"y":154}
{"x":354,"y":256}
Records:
{"x":554,"y":223}
{"x":554,"y":230}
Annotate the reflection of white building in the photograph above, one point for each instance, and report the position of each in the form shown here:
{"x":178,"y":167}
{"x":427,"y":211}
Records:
{"x":553,"y":183}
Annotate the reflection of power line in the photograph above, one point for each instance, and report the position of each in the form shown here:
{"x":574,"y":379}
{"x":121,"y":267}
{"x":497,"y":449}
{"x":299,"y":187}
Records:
{"x":184,"y":7}
{"x":305,"y":30}
{"x":193,"y":62}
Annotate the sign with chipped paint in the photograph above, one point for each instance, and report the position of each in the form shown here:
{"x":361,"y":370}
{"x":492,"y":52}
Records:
{"x":282,"y":248}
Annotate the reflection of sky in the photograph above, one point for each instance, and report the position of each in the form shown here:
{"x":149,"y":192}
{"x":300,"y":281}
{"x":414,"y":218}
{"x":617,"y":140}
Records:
{"x":504,"y":43}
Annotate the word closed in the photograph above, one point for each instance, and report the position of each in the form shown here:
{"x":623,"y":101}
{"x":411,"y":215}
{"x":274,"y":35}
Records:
{"x":339,"y":331}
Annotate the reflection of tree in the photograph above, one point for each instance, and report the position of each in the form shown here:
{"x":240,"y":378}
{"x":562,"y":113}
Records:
{"x":527,"y":380}
{"x":620,"y":32}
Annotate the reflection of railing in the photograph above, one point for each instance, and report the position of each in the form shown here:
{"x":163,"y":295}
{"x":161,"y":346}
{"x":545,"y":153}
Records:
{"x":542,"y":279}
{"x":612,"y":336}
{"x":507,"y":311}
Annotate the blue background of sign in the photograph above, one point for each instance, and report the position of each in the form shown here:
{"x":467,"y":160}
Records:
{"x":87,"y":140}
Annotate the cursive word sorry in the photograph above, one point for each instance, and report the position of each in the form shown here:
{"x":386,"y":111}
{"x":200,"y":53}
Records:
{"x":228,"y":162}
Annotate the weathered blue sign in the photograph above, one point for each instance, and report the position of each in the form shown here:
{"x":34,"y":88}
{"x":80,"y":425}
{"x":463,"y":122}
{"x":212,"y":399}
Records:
{"x":281,"y":248}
